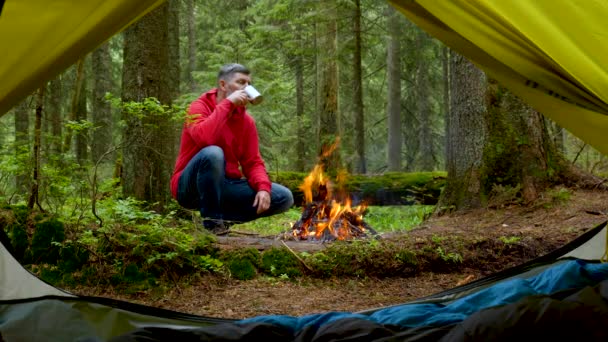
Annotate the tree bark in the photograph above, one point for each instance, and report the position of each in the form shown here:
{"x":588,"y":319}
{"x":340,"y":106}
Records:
{"x":393,"y":68}
{"x":329,"y":129}
{"x":191,"y":65}
{"x":173,"y":48}
{"x":466,"y":136}
{"x":22,"y":142}
{"x":101,"y":110}
{"x":445,"y":63}
{"x":358,"y":92}
{"x":54,"y":112}
{"x":423,"y":101}
{"x":67,"y":142}
{"x":80,"y":116}
{"x":301,"y":132}
{"x":34,"y":195}
{"x":147,"y":153}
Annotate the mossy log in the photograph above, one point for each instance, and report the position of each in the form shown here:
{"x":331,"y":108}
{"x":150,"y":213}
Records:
{"x":391,"y":188}
{"x":234,"y":241}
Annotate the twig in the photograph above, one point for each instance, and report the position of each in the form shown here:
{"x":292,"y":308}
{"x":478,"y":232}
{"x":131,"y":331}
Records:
{"x":243,"y":233}
{"x":579,"y":153}
{"x":297,"y":256}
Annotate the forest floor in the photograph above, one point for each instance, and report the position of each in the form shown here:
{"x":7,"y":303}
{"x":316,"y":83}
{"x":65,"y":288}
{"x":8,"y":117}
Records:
{"x":541,"y":227}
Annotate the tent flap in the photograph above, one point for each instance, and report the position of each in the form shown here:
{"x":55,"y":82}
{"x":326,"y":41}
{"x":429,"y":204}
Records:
{"x":548,"y":52}
{"x":41,"y":38}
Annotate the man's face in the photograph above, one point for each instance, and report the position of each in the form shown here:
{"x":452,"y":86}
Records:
{"x":238,"y":81}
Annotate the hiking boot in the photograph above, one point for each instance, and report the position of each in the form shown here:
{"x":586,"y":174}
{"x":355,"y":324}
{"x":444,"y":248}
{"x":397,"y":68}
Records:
{"x":216,"y":227}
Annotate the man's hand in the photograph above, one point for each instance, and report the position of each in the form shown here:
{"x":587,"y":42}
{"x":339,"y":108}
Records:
{"x":262,"y":201}
{"x":239,"y":98}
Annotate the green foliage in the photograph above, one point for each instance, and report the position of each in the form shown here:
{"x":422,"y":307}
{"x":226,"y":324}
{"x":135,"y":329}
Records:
{"x":508,"y":240}
{"x":46,"y":241}
{"x":242,"y":263}
{"x":279,"y":261}
{"x":241,"y":269}
{"x":363,"y":258}
{"x":451,"y":257}
{"x":560,"y":195}
{"x":73,"y":256}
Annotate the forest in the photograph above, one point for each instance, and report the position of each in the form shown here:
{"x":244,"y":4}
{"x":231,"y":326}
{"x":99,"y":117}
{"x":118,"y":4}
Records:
{"x":86,"y":159}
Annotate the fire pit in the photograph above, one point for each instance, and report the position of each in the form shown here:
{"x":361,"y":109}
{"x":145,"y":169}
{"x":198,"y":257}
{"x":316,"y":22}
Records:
{"x":326,"y":216}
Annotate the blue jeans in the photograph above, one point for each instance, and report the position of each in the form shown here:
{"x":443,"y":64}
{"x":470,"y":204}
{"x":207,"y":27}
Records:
{"x":203,"y":185}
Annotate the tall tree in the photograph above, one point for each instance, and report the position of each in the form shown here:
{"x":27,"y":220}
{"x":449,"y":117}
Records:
{"x":519,"y":148}
{"x":75,"y":101}
{"x":358,"y":91}
{"x":54,"y":112}
{"x":445,"y":68}
{"x":393,"y":69}
{"x":36,"y":168}
{"x":191,"y":30}
{"x":81,"y":112}
{"x":466,"y":135}
{"x":426,"y":155}
{"x":301,"y":134}
{"x":173,"y":47}
{"x":101,"y":112}
{"x":329,"y":128}
{"x":22,"y":141}
{"x":147,"y":153}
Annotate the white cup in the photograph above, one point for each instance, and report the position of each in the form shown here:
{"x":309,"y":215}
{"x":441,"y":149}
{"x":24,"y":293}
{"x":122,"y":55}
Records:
{"x":254,"y":95}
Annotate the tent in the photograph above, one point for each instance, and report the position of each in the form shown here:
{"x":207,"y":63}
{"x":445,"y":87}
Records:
{"x":548,"y":52}
{"x":565,"y":286}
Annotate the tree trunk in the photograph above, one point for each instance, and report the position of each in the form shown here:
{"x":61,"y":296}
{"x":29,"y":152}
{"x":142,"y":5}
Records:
{"x":81,"y":116}
{"x":329,"y":128}
{"x":466,"y":136}
{"x":191,"y":66}
{"x":518,"y":147}
{"x":22,"y":142}
{"x":301,"y":131}
{"x":358,"y":92}
{"x":423,"y":100}
{"x":445,"y":63}
{"x":173,"y":46}
{"x":33,"y":199}
{"x":54,"y":112}
{"x":393,"y":68}
{"x":67,"y":142}
{"x":101,"y":110}
{"x":148,"y":138}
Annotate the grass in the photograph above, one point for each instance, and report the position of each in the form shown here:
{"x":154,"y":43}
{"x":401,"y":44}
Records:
{"x":382,"y":219}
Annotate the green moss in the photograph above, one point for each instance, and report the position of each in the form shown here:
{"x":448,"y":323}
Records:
{"x":419,"y":187}
{"x":279,"y":261}
{"x":73,"y":257}
{"x":43,"y":246}
{"x":19,"y":240}
{"x":242,"y":263}
{"x":241,"y":269}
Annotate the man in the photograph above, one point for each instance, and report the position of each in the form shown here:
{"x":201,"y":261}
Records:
{"x":219,"y":136}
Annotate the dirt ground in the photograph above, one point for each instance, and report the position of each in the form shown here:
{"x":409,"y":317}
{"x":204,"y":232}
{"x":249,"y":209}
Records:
{"x":553,"y":222}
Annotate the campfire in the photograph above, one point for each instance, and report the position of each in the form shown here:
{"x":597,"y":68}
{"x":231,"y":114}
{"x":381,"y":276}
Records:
{"x":327,"y":216}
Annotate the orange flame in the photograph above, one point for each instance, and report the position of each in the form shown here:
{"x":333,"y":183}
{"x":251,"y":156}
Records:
{"x":323,"y":215}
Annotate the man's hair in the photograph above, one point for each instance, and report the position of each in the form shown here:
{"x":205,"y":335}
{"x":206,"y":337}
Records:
{"x":228,"y":70}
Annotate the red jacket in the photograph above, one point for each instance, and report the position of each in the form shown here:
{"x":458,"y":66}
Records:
{"x":209,"y":123}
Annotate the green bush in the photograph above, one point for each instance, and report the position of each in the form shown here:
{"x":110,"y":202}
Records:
{"x":46,"y":241}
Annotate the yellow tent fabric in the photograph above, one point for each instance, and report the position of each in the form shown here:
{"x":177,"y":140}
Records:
{"x":40,"y":38}
{"x":549,"y":52}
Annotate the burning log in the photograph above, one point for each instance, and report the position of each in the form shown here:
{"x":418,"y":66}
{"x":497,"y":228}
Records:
{"x":328,"y":221}
{"x":323,"y":217}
